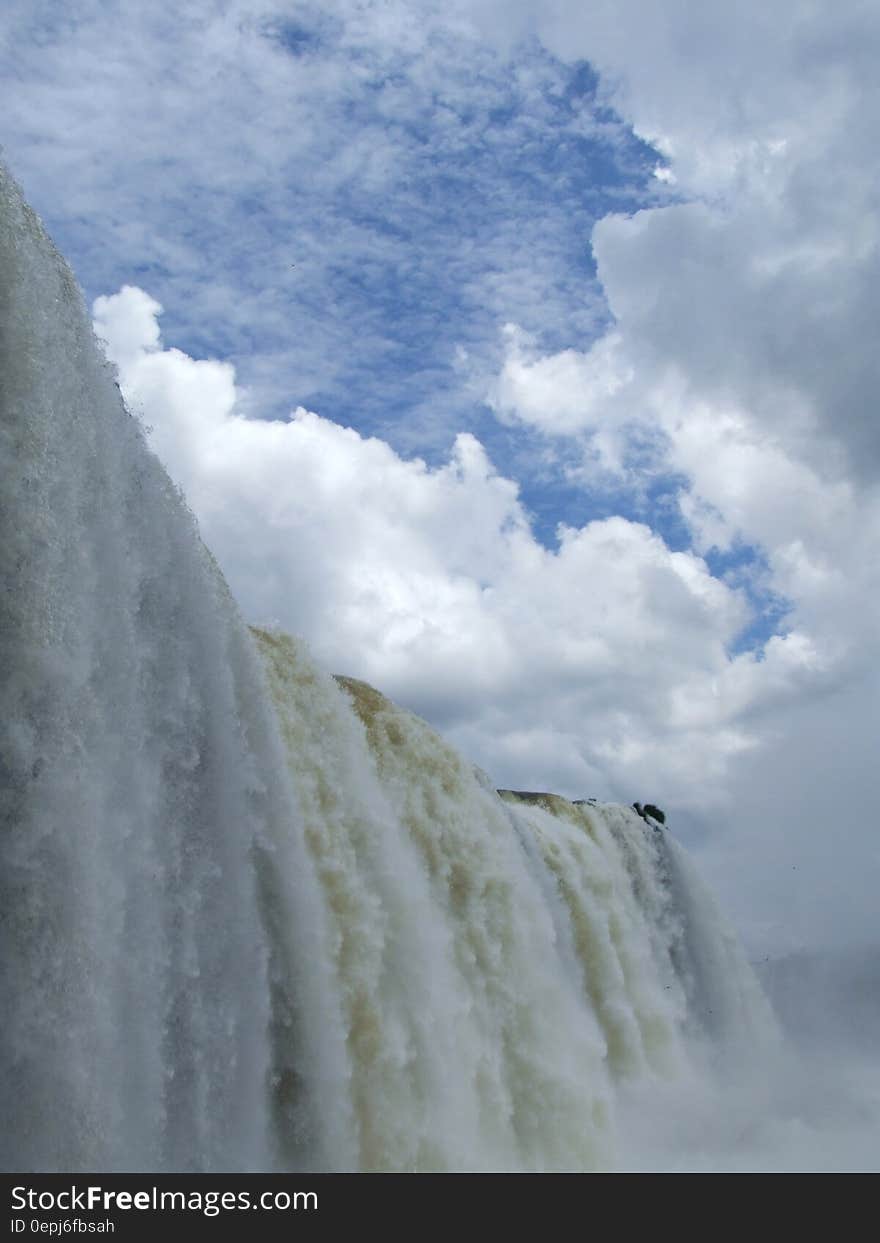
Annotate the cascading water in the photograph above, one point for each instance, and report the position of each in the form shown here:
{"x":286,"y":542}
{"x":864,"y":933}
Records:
{"x":257,"y":919}
{"x":151,"y":853}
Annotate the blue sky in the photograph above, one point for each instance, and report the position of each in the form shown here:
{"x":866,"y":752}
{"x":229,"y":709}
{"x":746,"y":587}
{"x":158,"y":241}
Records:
{"x":593,"y":286}
{"x":363,"y":267}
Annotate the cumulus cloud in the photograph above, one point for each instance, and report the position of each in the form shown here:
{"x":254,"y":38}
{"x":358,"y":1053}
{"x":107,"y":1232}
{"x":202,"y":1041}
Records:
{"x":743,"y":346}
{"x":601,"y":667}
{"x":563,"y":393}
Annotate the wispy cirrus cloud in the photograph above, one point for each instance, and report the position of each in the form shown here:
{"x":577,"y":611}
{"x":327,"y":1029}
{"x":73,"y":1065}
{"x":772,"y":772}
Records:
{"x":341,"y":199}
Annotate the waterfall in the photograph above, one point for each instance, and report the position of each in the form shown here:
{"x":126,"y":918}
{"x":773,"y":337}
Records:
{"x":256,"y":918}
{"x":149,"y":828}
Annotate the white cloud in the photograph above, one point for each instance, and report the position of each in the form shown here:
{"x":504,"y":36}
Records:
{"x":561,"y":393}
{"x":602,"y":666}
{"x":745,"y":324}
